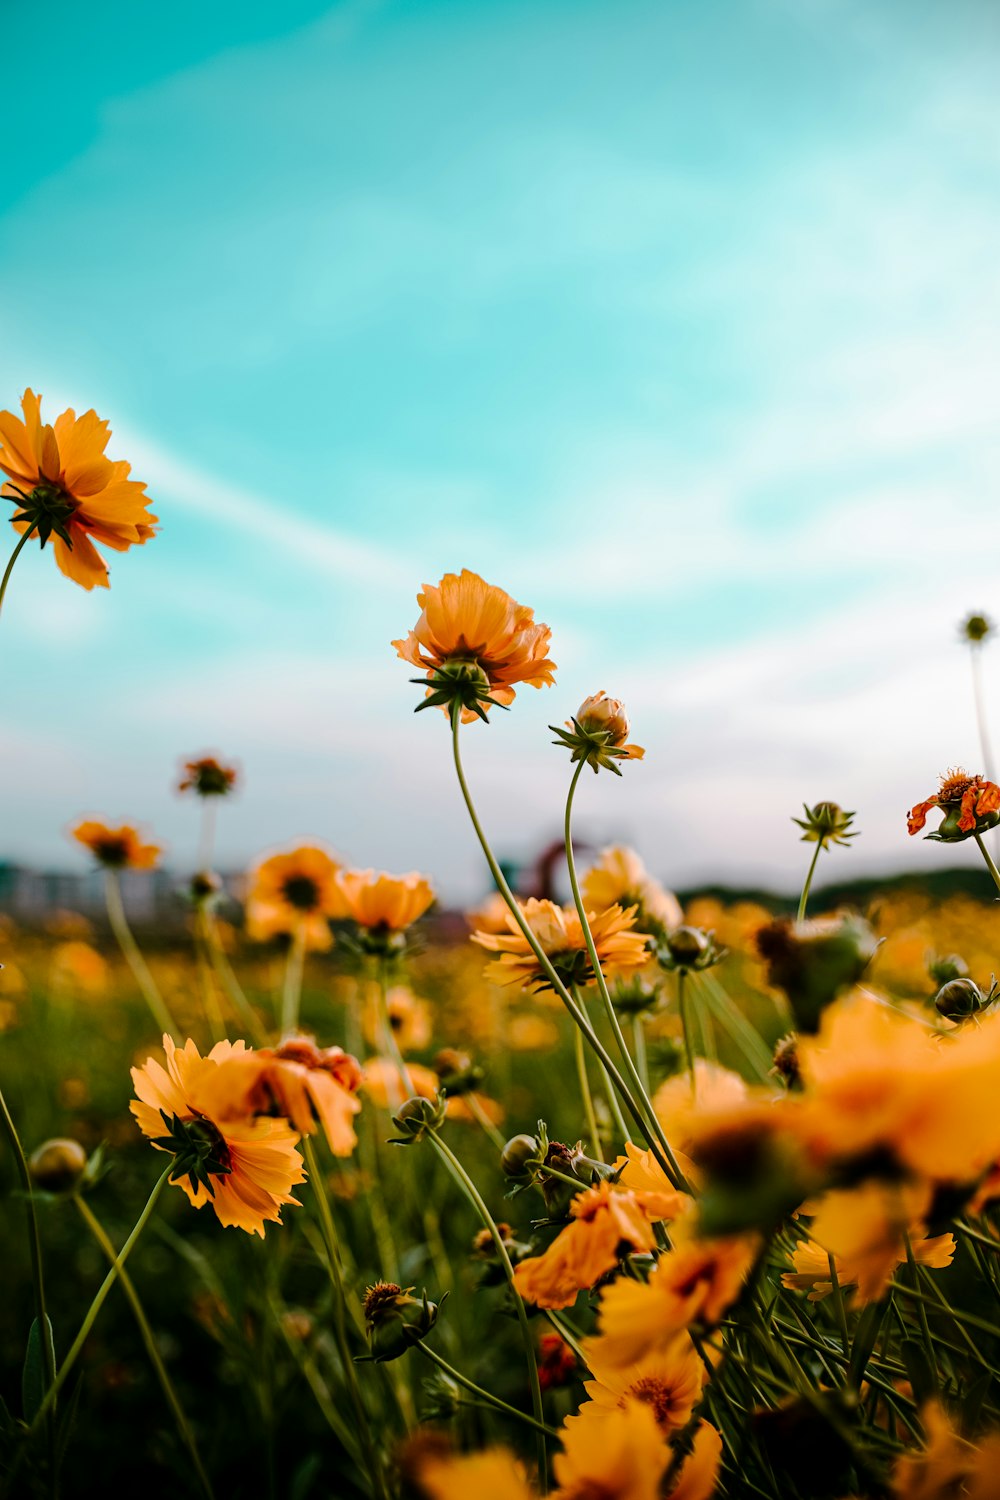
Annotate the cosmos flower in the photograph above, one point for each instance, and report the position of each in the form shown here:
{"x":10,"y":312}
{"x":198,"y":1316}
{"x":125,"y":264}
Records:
{"x":298,"y":1081}
{"x":244,"y":1168}
{"x":620,"y":877}
{"x":116,"y":848}
{"x":559,"y":932}
{"x":207,"y":777}
{"x":380,"y":902}
{"x":970,"y":804}
{"x":668,"y":1379}
{"x":293,"y":891}
{"x":63,"y":484}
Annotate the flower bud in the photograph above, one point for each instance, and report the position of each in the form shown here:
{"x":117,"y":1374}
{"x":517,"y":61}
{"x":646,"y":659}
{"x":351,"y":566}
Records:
{"x":689,"y":948}
{"x":976,"y":627}
{"x":943,"y":970}
{"x":395,"y":1320}
{"x":457,"y":1073}
{"x":960,"y":999}
{"x":58,"y":1165}
{"x":812,"y":961}
{"x":598,"y":734}
{"x":519,"y":1151}
{"x":416,"y":1117}
{"x":600,"y":714}
{"x":825,"y":824}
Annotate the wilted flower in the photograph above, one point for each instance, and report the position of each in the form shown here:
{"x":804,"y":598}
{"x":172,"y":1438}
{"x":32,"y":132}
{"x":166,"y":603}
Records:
{"x":207,"y":777}
{"x":244,"y":1168}
{"x":559,"y":932}
{"x":476,"y":643}
{"x":64,"y":485}
{"x":825,"y":824}
{"x":294,"y":892}
{"x":395,"y":1320}
{"x":970,"y":804}
{"x":597,"y":734}
{"x":116,"y":848}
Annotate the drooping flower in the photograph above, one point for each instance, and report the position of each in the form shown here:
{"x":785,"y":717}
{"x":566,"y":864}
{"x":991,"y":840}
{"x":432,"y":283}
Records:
{"x":560,"y":935}
{"x":475,"y":643}
{"x":244,"y":1168}
{"x":298,"y":1081}
{"x":669,"y":1380}
{"x":970,"y":804}
{"x":207,"y":777}
{"x":64,"y":486}
{"x":620,"y":877}
{"x":294,"y":891}
{"x":116,"y":848}
{"x":380,"y":904}
{"x":607,"y":1221}
{"x":597,"y":734}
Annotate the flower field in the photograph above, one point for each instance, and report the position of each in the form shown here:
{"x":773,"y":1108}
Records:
{"x":325,"y":1194}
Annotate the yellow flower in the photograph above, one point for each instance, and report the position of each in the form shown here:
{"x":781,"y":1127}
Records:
{"x":948,"y":1465}
{"x":408,"y":1017}
{"x":62,"y":482}
{"x":116,"y":848}
{"x":383,"y":1086}
{"x":294,"y":891}
{"x":669,"y":1380}
{"x":207,"y":777}
{"x":678,"y":1104}
{"x":614,"y":1455}
{"x":494,"y":1475}
{"x":244,"y":1168}
{"x":607,"y":1222}
{"x":387,"y":903}
{"x":620,"y":876}
{"x":560,"y":935}
{"x":475,"y":642}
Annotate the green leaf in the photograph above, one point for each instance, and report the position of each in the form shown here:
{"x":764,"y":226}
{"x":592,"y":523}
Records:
{"x":972,"y":1405}
{"x":33,"y":1381}
{"x":868,"y":1330}
{"x":920,"y":1370}
{"x":66,"y":1424}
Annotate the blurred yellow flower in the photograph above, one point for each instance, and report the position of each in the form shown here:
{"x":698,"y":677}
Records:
{"x":116,"y":848}
{"x":559,"y":933}
{"x":378,"y":901}
{"x":619,"y":876}
{"x":294,"y":891}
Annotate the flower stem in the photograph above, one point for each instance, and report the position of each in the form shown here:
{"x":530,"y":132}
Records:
{"x":543,"y":959}
{"x":646,"y":1110}
{"x":13,"y":559}
{"x":206,"y":978}
{"x":148,"y":1339}
{"x":470,"y":1190}
{"x":995,"y":873}
{"x":118,"y":1262}
{"x":34,"y":1240}
{"x":684,"y":1011}
{"x":477,"y":1390}
{"x":339,"y":1321}
{"x":392,"y":1046}
{"x":130,"y":948}
{"x":227,"y":978}
{"x":803,"y":899}
{"x":291,"y":992}
{"x":206,"y":841}
{"x":483,"y":1120}
{"x":585,"y":1094}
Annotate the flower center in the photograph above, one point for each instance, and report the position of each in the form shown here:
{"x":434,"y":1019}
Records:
{"x":955,"y":785}
{"x":111,"y":851}
{"x":302,"y":892}
{"x":655,"y":1394}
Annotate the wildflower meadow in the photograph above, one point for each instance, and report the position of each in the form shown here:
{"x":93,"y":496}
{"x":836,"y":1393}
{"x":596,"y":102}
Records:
{"x":316,"y":1194}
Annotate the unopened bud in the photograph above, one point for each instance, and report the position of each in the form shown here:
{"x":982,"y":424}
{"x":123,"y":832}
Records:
{"x":519,"y":1151}
{"x":58,"y":1165}
{"x":943,"y":970}
{"x":395,"y":1320}
{"x":960,"y":999}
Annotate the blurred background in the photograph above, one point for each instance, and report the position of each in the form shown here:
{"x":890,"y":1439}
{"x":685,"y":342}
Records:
{"x":676,"y":321}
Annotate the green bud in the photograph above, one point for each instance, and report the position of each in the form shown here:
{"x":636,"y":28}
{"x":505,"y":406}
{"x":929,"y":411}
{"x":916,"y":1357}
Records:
{"x":58,"y":1166}
{"x":416,"y":1117}
{"x":395,"y":1320}
{"x":519,"y":1151}
{"x":813,"y":961}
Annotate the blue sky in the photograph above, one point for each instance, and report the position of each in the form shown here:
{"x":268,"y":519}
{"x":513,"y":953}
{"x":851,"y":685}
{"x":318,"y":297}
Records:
{"x":677,"y":320}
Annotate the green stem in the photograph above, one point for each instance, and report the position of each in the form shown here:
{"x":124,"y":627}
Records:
{"x":291,"y":992}
{"x":683,"y":1011}
{"x":487,"y":1396}
{"x":470,"y":1190}
{"x":206,"y":843}
{"x":483,"y":1120}
{"x":994,"y":872}
{"x":339,"y":1319}
{"x":392,"y":1046}
{"x":639,"y":1048}
{"x":34,"y":1241}
{"x":566,"y":1333}
{"x":148,"y":1339}
{"x":227,"y":978}
{"x":13,"y":559}
{"x":130,"y":948}
{"x":585,"y":1094}
{"x":99,"y":1300}
{"x":644,"y":1111}
{"x":206,"y":978}
{"x":800,"y":914}
{"x":543,"y":958}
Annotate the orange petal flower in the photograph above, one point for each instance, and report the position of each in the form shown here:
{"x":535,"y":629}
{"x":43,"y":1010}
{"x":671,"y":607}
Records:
{"x":207,"y":777}
{"x":668,"y":1380}
{"x":383,"y":1086}
{"x":294,"y":890}
{"x":116,"y":848}
{"x":377,"y":900}
{"x":560,"y":935}
{"x":297,"y":1080}
{"x":620,"y":877}
{"x":606,"y":1218}
{"x":467,"y":620}
{"x":972,"y":798}
{"x":67,"y":462}
{"x":616,"y":1455}
{"x":258,"y":1161}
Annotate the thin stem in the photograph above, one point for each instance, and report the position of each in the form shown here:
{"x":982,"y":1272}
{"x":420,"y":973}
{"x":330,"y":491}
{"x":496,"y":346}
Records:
{"x":684,"y":1013}
{"x":339,"y":1324}
{"x":994,"y":872}
{"x":646,"y":1110}
{"x":469,"y":1188}
{"x":206,"y":842}
{"x":291,"y":992}
{"x":544,"y":961}
{"x":206,"y":979}
{"x":483,"y":1120}
{"x":34,"y":1240}
{"x":639,"y":1049}
{"x":484,"y":1395}
{"x":227,"y":978}
{"x":118,"y":1262}
{"x":585,"y":1094}
{"x":800,"y":914}
{"x":392,"y":1046}
{"x":148,"y":1339}
{"x":977,"y":694}
{"x":130,"y":948}
{"x":13,"y":559}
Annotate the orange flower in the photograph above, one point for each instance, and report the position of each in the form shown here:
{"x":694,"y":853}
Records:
{"x":475,"y":643}
{"x":948,"y":1465}
{"x":620,"y":876}
{"x":207,"y":777}
{"x":382,"y":1083}
{"x":244,"y":1168}
{"x":495,"y":1473}
{"x":597,"y":734}
{"x":607,"y":1221}
{"x":408,"y":1017}
{"x":298,"y":1080}
{"x":616,"y":1455}
{"x":63,"y":483}
{"x":970,"y":804}
{"x":116,"y":848}
{"x":693,"y":1283}
{"x":294,"y":891}
{"x":379,"y":901}
{"x":560,"y":935}
{"x":668,"y":1380}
